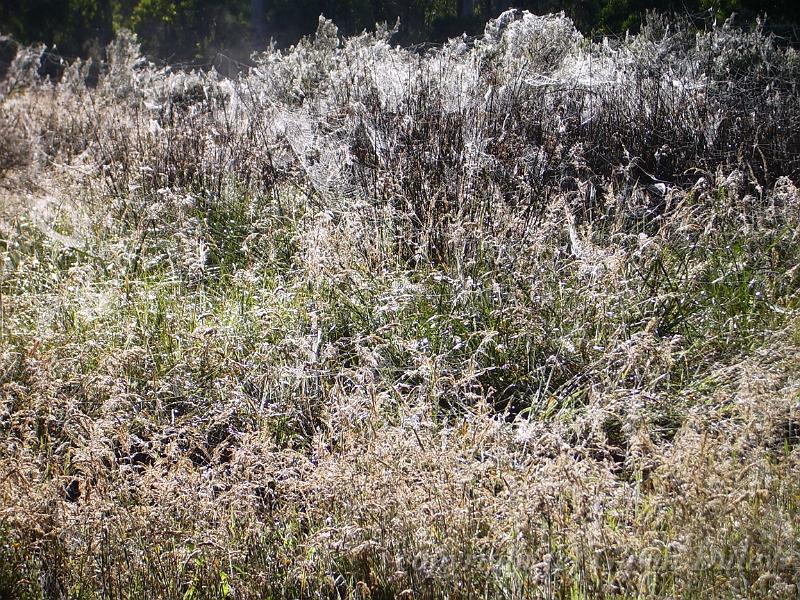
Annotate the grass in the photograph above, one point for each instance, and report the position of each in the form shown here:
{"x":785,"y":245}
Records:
{"x":366,"y":323}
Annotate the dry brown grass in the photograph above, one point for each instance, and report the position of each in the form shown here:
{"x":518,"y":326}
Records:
{"x":369,"y":324}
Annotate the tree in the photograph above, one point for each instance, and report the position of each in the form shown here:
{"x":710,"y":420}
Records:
{"x":75,"y":27}
{"x":194,"y":30}
{"x":257,"y":20}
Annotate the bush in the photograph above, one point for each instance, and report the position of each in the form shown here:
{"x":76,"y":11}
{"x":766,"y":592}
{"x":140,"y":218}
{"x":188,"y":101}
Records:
{"x":15,"y":151}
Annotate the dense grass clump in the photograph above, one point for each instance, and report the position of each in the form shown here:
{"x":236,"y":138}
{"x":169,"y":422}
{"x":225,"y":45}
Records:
{"x":515,"y":317}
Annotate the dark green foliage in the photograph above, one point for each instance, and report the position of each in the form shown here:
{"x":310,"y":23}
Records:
{"x":74,"y":27}
{"x":198,"y":31}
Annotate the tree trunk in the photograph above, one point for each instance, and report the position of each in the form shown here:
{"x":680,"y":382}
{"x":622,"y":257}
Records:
{"x":466,"y":8}
{"x":257,"y":21}
{"x":104,"y":18}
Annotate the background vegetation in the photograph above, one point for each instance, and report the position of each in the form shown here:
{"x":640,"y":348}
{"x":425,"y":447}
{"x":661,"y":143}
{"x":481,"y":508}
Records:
{"x":196,"y":30}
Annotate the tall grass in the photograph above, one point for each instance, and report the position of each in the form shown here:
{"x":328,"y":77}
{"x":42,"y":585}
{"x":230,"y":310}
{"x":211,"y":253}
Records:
{"x":514,"y":317}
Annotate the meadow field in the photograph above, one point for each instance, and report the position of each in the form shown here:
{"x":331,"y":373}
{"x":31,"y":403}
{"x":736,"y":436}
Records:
{"x":513,"y":317}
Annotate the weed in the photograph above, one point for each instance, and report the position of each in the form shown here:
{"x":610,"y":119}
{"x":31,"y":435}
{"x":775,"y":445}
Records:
{"x":513,"y":317}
